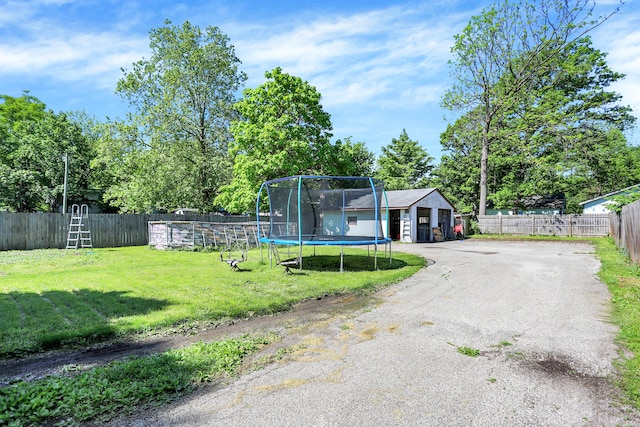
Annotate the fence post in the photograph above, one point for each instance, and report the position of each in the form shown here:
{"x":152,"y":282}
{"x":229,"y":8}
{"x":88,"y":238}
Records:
{"x":570,"y":225}
{"x":533,"y":225}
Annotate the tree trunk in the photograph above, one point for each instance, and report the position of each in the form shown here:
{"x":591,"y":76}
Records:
{"x":482,"y":209}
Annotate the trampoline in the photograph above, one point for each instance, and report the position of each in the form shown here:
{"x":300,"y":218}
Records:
{"x":325,"y":211}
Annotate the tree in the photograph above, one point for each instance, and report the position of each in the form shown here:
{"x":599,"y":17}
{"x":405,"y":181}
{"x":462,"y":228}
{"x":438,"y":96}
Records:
{"x":101,"y":175}
{"x":284,"y":132}
{"x":14,"y":112}
{"x":566,"y":136}
{"x":350,"y":159}
{"x":457,"y":173}
{"x":173,"y":152}
{"x":404,"y":164}
{"x":34,"y":141}
{"x":606,"y":167}
{"x":503,"y":54}
{"x":621,"y":200}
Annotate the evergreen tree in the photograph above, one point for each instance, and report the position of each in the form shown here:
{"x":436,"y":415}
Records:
{"x":404,"y":164}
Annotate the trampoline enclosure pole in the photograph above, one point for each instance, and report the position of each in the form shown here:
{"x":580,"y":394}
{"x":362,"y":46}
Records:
{"x":289,"y":211}
{"x":343,"y":223}
{"x":386,"y":199}
{"x":376,"y":207}
{"x":376,"y":211}
{"x":257,"y":219}
{"x":299,"y":211}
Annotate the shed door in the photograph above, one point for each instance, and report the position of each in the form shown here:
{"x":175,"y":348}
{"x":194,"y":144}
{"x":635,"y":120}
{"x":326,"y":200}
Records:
{"x":444,"y":222}
{"x":394,"y":228}
{"x":423,"y":224}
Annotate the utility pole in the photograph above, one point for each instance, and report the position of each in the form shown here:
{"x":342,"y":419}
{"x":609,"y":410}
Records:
{"x":66,"y":173}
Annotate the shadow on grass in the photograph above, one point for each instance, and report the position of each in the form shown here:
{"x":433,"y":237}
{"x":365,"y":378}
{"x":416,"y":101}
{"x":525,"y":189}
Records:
{"x":352,"y":263}
{"x":51,"y":319}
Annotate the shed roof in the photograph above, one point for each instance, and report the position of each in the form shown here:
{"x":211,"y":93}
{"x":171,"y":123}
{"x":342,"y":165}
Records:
{"x":608,"y":195}
{"x":403,"y":199}
{"x":398,"y":199}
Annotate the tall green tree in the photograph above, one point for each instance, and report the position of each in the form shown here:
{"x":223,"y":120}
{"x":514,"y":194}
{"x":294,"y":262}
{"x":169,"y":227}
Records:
{"x":404,"y":164}
{"x":608,"y":165}
{"x":284,"y":131}
{"x":350,"y":158}
{"x":503,"y":54}
{"x":624,"y":199}
{"x":101,"y":177}
{"x":34,"y":141}
{"x":564,"y":136}
{"x":13,"y":113}
{"x":458,"y":171}
{"x":173,"y":149}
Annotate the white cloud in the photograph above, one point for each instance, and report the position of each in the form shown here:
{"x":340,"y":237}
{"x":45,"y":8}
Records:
{"x":349,"y":58}
{"x":41,"y":44}
{"x":620,"y":38}
{"x":424,"y":94}
{"x":72,"y":56}
{"x":12,"y":12}
{"x":357,"y":58}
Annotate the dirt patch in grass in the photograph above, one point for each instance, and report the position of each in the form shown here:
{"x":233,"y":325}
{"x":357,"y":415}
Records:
{"x":59,"y":362}
{"x":629,"y":282}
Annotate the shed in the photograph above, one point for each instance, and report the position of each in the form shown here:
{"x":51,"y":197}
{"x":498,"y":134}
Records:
{"x":599,"y":204}
{"x":413,"y":215}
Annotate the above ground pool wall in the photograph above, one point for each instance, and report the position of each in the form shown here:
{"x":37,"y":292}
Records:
{"x":193,"y":234}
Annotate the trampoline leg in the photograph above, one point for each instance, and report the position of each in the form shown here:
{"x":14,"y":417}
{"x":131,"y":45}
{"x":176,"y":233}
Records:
{"x":271,"y":249}
{"x":300,"y":256}
{"x":341,"y":257}
{"x":375,"y":257}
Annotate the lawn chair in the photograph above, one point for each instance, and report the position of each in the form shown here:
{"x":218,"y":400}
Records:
{"x":287,"y":264}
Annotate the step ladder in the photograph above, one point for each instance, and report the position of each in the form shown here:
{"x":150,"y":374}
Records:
{"x":406,"y":228}
{"x":79,"y":235}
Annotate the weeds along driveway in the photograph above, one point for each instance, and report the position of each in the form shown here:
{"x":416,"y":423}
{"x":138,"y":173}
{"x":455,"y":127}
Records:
{"x":533,"y":312}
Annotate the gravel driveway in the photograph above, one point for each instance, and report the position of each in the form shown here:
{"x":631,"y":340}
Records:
{"x":534,"y":310}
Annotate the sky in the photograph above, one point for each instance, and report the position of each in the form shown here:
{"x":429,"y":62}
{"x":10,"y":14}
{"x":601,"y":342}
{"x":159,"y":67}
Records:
{"x":380,"y":66}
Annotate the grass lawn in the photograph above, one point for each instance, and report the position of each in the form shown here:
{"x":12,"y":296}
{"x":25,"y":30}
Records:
{"x":49,"y":298}
{"x":623,"y":279}
{"x":123,"y":386}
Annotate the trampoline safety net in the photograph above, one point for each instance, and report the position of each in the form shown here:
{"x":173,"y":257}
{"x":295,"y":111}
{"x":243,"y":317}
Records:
{"x":325,"y":210}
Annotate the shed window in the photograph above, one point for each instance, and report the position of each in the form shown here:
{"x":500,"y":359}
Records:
{"x":423,"y":220}
{"x":352,"y":220}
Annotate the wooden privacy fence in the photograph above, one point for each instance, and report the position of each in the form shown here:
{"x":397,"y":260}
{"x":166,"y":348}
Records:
{"x":587,"y":225}
{"x":625,"y":230}
{"x":25,"y":231}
